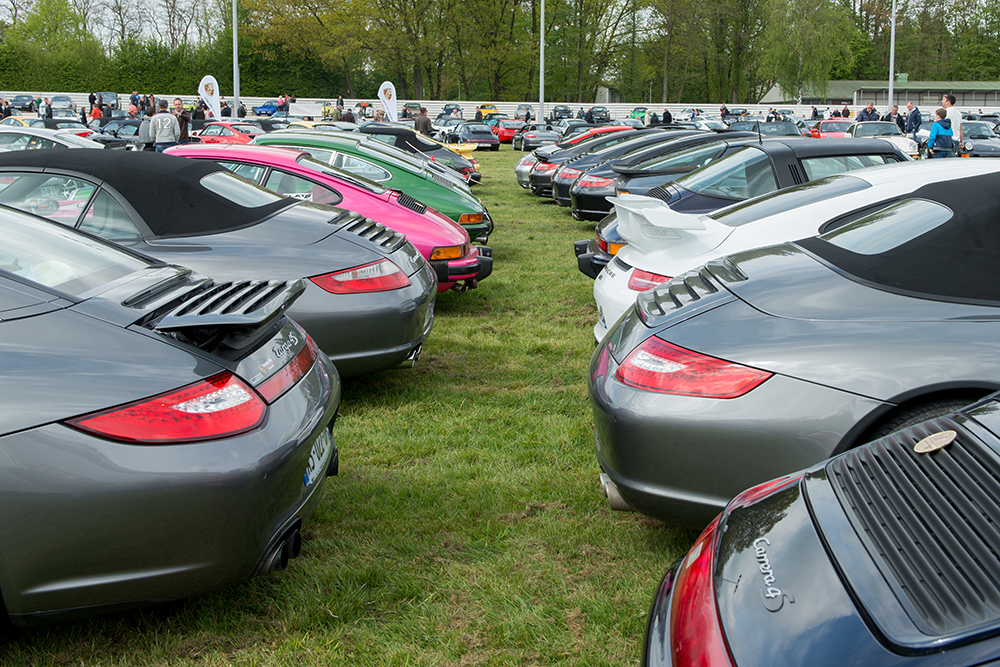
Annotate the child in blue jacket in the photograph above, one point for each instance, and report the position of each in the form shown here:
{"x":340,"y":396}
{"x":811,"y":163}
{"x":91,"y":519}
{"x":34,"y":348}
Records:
{"x":939,"y":144}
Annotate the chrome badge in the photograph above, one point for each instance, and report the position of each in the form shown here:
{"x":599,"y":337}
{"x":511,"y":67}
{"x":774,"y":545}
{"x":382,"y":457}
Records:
{"x":934,"y":442}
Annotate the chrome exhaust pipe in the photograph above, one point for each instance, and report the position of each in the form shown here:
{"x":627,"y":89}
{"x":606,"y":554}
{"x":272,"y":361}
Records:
{"x":615,"y":500}
{"x":411,"y":358}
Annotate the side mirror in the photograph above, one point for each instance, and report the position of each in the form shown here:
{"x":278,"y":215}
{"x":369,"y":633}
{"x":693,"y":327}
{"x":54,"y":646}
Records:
{"x":43,"y":206}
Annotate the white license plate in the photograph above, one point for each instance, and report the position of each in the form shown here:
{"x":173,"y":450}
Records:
{"x":485,"y":145}
{"x":318,"y":457}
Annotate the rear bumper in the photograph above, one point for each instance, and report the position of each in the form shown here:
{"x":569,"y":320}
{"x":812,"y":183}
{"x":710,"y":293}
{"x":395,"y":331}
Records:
{"x":589,"y":259}
{"x":467,"y":272}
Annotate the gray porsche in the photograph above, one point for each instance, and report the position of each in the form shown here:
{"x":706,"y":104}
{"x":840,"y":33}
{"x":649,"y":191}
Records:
{"x":161,"y":434}
{"x":369,"y":297}
{"x":770,"y":360}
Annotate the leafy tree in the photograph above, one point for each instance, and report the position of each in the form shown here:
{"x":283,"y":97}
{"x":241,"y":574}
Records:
{"x":804,"y":39}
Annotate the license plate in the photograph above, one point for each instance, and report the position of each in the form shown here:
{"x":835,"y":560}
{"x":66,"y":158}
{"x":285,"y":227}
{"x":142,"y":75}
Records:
{"x":485,"y":145}
{"x":317,"y":458}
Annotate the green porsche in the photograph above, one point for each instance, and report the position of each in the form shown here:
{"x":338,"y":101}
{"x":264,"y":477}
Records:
{"x":393,"y":168}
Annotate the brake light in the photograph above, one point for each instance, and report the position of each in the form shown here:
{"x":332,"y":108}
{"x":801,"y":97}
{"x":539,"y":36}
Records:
{"x":595,"y":182}
{"x":276,"y":385}
{"x":640,"y":280}
{"x":659,"y":366}
{"x":528,"y":159}
{"x":378,"y":276}
{"x":696,"y":634}
{"x":545,"y":166}
{"x":568,"y":172}
{"x":610,"y":248}
{"x":752,"y":495}
{"x":221,"y":406}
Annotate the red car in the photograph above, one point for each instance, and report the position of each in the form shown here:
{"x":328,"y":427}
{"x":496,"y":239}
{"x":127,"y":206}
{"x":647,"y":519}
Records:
{"x":505,"y":130}
{"x":228,"y":133}
{"x":833,"y":127}
{"x":591,"y":133}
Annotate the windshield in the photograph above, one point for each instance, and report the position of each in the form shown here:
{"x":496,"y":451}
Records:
{"x":976,"y":130}
{"x":741,"y":175}
{"x":59,"y":258}
{"x":877,"y":130}
{"x":835,"y":126}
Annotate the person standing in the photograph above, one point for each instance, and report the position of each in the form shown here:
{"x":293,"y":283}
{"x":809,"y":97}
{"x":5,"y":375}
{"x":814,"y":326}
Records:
{"x":895,"y":117}
{"x":348,"y":117}
{"x":941,"y":142}
{"x":340,"y":100}
{"x":422,"y":123}
{"x":164,"y":128}
{"x":913,"y":120}
{"x":48,"y":109}
{"x":183,"y":121}
{"x":146,"y":130}
{"x":92,"y":100}
{"x":955,"y":116}
{"x":868,"y":113}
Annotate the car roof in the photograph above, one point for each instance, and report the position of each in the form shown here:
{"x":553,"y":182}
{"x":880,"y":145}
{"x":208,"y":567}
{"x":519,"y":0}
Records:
{"x":166,"y":191}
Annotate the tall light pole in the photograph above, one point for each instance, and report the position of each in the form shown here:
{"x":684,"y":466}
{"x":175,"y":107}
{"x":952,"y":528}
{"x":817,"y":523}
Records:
{"x":892,"y":55}
{"x":541,"y":66}
{"x":236,"y":66}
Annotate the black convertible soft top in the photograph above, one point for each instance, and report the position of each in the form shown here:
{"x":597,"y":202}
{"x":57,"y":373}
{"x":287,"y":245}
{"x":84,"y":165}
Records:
{"x":165,"y":190}
{"x":952,"y":254}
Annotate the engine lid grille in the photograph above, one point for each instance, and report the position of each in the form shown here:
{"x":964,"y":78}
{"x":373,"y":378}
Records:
{"x":411,"y":203}
{"x":930,"y":522}
{"x":380,"y":235}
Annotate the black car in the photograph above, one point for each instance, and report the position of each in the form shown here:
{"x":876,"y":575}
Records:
{"x":588,"y":197}
{"x":600,"y":114}
{"x":406,"y":139}
{"x":560,"y":111}
{"x":782,"y":128}
{"x":540,"y":178}
{"x":473,"y":133}
{"x":889,"y":550}
{"x":571,"y":170}
{"x":23,"y":103}
{"x":789,"y":161}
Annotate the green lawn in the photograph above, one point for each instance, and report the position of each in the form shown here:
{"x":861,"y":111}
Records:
{"x":466,"y":527}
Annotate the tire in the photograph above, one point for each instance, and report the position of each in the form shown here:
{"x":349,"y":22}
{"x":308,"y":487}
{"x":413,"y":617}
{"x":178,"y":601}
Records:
{"x":919,"y":413}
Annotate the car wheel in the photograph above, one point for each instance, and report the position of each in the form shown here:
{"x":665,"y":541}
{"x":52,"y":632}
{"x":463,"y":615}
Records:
{"x":919,"y":413}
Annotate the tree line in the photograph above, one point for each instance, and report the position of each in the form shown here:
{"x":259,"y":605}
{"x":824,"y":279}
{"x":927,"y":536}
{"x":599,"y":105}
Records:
{"x":654,"y":51}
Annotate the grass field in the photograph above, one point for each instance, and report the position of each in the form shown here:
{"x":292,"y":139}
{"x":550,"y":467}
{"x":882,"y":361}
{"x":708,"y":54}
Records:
{"x":466,"y":526}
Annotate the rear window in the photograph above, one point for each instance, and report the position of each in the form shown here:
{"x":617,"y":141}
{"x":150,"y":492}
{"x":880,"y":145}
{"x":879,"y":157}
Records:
{"x":238,"y":190}
{"x":741,"y":175}
{"x":933,"y":244}
{"x":685,"y":160}
{"x":788,"y":199}
{"x":58,"y":257}
{"x":821,"y":167}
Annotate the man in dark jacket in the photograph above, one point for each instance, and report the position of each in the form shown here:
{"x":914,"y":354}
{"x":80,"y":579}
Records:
{"x":423,"y":123}
{"x":183,"y":119}
{"x":913,"y":120}
{"x":868,"y":113}
{"x":895,"y":117}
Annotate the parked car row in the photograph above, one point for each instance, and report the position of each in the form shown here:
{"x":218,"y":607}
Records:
{"x":178,"y":324}
{"x":765,"y":303}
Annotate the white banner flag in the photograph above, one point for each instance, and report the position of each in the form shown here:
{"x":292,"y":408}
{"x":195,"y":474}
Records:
{"x":387,"y":94}
{"x":208,"y":89}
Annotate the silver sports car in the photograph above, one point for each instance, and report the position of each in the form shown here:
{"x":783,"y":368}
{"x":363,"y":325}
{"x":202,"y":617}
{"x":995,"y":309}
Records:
{"x":769,"y":360}
{"x":161,"y":434}
{"x":369,"y":298}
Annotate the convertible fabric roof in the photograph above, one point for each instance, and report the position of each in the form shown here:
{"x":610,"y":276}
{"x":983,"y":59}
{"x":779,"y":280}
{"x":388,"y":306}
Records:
{"x":164,"y":190}
{"x":957,"y":260}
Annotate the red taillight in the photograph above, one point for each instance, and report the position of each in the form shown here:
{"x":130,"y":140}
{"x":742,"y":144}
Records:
{"x":640,"y":280}
{"x":595,"y":182}
{"x":378,"y":276}
{"x":85,"y":133}
{"x":567,"y":173}
{"x":527,"y":159}
{"x":276,"y":385}
{"x":545,"y":166}
{"x":658,"y":366}
{"x":696,"y":636}
{"x":221,"y":406}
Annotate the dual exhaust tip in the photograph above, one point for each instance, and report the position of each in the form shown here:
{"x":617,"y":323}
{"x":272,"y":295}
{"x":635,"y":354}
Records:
{"x":289,"y":546}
